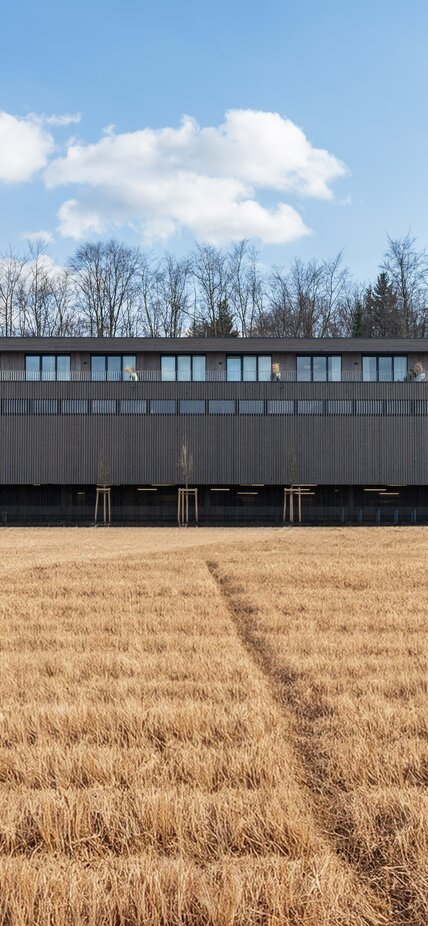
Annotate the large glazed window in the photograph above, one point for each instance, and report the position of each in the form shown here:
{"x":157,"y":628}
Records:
{"x":385,"y":369}
{"x":249,"y":368}
{"x":182,"y":368}
{"x":319,"y":369}
{"x":47,"y":367}
{"x":112,"y":367}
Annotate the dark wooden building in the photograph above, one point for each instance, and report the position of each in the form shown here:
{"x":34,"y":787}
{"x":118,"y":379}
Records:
{"x":346,"y":419}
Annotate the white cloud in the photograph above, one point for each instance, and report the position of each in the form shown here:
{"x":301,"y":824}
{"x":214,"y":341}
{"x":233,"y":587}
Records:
{"x":43,"y":236}
{"x":204,"y":180}
{"x":24,"y":148}
{"x":65,"y":119}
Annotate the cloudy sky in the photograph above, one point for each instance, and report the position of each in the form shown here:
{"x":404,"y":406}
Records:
{"x":300,"y":125}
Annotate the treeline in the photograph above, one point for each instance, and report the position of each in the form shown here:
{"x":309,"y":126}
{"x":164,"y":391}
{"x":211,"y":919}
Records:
{"x":108,"y":289}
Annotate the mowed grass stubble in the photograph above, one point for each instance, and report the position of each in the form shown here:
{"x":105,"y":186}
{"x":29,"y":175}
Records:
{"x":221,"y":728}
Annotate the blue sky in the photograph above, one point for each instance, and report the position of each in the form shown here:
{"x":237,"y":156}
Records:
{"x":343,"y":163}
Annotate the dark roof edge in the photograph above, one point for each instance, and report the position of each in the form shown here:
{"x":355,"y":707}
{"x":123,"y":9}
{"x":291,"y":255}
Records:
{"x":208,"y":345}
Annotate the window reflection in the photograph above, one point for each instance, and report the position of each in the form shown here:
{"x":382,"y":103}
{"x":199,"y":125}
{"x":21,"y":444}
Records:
{"x":113,"y":367}
{"x":319,"y":369}
{"x":384,"y":368}
{"x":47,"y":367}
{"x":249,"y":368}
{"x":182,"y":368}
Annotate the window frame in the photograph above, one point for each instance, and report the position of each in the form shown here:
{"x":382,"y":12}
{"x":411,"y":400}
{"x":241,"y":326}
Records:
{"x":102,"y":376}
{"x":192,"y":357}
{"x":241,"y":358}
{"x":311,"y":357}
{"x":377,"y":357}
{"x":47,"y":375}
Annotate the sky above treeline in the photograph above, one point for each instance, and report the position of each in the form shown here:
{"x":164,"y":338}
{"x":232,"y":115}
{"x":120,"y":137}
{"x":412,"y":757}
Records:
{"x":301,"y":125}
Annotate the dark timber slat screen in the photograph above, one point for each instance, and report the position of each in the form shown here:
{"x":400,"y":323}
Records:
{"x":330,"y":449}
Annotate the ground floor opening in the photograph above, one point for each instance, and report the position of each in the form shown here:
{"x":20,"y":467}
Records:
{"x":216,"y":505}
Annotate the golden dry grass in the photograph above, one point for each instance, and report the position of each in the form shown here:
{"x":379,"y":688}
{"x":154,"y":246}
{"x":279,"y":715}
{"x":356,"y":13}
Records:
{"x":213,"y":728}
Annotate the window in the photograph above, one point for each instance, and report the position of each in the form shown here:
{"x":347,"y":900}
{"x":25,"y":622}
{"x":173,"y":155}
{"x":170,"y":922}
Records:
{"x":249,"y":368}
{"x":192,"y":407}
{"x":280,"y":407}
{"x":47,"y":367}
{"x":133,"y":407}
{"x":74,"y":407}
{"x":15,"y":407}
{"x":318,"y":369}
{"x":399,"y":407}
{"x":182,"y":368}
{"x":103,"y":407}
{"x":252,"y":407}
{"x":112,"y":367}
{"x":421,"y":407}
{"x":368,"y":407}
{"x":339,"y":407}
{"x":384,"y":369}
{"x":311,"y":407}
{"x":45,"y":407}
{"x":221,"y":407}
{"x":163,"y":407}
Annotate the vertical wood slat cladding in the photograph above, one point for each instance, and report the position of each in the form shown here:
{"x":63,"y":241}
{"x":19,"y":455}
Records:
{"x":230,"y":450}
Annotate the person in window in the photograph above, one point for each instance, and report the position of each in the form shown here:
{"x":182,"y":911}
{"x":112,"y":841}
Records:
{"x":419,"y":374}
{"x":276,"y":373}
{"x":132,"y":374}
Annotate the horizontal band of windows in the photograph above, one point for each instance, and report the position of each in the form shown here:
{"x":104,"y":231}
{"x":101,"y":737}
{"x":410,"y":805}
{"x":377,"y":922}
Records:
{"x":310,"y":407}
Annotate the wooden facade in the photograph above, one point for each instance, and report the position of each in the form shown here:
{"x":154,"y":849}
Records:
{"x":346,"y":436}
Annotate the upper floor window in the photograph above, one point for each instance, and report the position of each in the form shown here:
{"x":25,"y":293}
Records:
{"x":113,"y":367}
{"x":47,"y":367}
{"x":182,"y":368}
{"x":384,"y":369}
{"x":318,"y":369}
{"x":249,"y":368}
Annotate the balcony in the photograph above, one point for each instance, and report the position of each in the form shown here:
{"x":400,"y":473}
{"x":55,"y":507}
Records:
{"x":211,"y":376}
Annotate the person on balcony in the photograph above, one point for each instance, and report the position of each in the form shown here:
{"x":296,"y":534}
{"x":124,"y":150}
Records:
{"x":418,"y":373}
{"x":276,"y":373}
{"x":132,"y":374}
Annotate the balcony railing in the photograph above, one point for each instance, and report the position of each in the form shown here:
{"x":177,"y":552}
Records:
{"x":211,"y":376}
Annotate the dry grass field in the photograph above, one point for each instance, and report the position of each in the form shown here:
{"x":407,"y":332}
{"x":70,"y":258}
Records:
{"x":213,"y":727}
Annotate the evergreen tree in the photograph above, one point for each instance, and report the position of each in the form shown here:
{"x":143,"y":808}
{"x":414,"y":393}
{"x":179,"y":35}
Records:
{"x":222,"y":326}
{"x":383,"y":316}
{"x":358,"y":327}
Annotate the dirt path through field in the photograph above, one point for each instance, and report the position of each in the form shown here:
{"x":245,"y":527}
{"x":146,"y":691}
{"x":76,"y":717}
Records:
{"x":280,"y":683}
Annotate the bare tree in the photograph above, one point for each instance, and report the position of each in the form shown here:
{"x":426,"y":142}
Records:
{"x":351,"y":317}
{"x":147,"y":316}
{"x":185,"y":463}
{"x":212,"y":284}
{"x":12,"y":266}
{"x":66,"y":321}
{"x":294,"y":300}
{"x":245,"y":286}
{"x":36,"y":294}
{"x":106,"y":276}
{"x":407,"y":268}
{"x":334,"y":292}
{"x":174,"y":295}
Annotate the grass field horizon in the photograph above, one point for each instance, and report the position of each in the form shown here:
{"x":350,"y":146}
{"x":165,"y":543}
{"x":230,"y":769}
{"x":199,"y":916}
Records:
{"x":213,"y":727}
